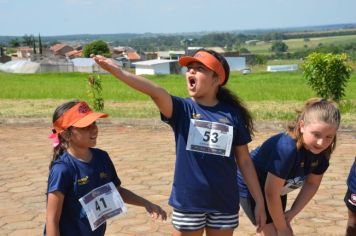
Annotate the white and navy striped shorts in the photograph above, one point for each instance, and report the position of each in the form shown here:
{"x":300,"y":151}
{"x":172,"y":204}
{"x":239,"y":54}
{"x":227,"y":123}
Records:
{"x":191,"y":221}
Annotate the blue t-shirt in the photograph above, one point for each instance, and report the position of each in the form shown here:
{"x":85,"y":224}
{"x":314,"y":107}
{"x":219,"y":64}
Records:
{"x":75,"y":179}
{"x":351,"y":180}
{"x":279,"y":156}
{"x":205,"y":182}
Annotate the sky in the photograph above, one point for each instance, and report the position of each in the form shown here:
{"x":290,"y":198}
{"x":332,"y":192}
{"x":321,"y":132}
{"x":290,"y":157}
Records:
{"x":67,"y":17}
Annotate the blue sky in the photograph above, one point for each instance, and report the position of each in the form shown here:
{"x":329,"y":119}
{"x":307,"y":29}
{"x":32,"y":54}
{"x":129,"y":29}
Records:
{"x":65,"y":17}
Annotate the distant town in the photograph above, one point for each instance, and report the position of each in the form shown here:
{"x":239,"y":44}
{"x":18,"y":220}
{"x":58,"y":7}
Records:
{"x":158,"y":53}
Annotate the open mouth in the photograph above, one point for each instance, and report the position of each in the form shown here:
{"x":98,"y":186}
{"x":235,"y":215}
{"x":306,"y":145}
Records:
{"x":192,"y":82}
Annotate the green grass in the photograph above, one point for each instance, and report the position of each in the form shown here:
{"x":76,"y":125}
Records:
{"x":270,"y":96}
{"x":298,"y":44}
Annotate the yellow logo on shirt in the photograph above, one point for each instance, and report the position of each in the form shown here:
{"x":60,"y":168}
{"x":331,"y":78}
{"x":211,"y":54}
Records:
{"x":83,"y":180}
{"x":103,"y":175}
{"x":315,"y":163}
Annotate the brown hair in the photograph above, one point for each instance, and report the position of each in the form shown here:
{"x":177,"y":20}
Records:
{"x":315,"y":109}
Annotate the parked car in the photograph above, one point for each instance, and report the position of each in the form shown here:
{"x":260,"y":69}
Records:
{"x":246,"y":71}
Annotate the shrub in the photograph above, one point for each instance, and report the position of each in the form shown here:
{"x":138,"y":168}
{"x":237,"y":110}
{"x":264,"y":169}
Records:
{"x":95,"y":92}
{"x":327,"y":74}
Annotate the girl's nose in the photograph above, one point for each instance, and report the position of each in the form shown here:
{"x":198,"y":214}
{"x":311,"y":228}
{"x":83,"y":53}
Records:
{"x":320,"y":141}
{"x":191,"y":70}
{"x":93,"y":127}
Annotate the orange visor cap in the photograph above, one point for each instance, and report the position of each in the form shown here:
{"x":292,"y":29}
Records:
{"x":207,"y":60}
{"x":79,"y":116}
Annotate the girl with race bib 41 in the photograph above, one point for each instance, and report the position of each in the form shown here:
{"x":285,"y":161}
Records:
{"x":83,"y":187}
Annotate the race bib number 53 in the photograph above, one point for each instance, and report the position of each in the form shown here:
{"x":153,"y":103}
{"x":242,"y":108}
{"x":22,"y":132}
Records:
{"x":102,"y":204}
{"x":210,"y":137}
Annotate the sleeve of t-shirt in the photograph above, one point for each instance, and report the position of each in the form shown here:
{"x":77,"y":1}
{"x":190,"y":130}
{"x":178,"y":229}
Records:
{"x":242,"y":135}
{"x":60,"y":178}
{"x":322,"y":166}
{"x":115,"y":178}
{"x":177,"y":113}
{"x":351,"y":179}
{"x":109,"y":166}
{"x":282,"y":158}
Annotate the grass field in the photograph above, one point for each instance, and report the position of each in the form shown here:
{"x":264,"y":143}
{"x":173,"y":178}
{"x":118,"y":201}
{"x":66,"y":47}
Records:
{"x":270,"y":96}
{"x":298,"y":44}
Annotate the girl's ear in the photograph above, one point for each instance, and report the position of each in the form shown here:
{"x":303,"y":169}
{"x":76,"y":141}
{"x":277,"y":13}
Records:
{"x":301,"y":126}
{"x":66,"y":135}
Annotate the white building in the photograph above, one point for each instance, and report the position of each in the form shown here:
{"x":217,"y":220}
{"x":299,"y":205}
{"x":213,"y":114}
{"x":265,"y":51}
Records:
{"x":153,"y":67}
{"x":275,"y":68}
{"x":236,"y":63}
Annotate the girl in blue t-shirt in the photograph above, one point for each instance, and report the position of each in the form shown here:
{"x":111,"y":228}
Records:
{"x":350,"y":201}
{"x":212,"y":129}
{"x":292,"y":160}
{"x":76,"y":170}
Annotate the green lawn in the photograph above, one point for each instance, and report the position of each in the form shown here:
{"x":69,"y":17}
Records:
{"x":270,"y":96}
{"x":298,"y":44}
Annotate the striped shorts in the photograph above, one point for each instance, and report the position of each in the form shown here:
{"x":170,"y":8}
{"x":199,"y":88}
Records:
{"x":191,"y":221}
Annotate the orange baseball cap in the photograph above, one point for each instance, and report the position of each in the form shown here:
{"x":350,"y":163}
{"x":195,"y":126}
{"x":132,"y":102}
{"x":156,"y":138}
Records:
{"x":79,"y":116}
{"x":207,"y":60}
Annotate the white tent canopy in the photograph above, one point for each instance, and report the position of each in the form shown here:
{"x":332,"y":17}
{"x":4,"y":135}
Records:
{"x":20,"y":66}
{"x":87,"y":65}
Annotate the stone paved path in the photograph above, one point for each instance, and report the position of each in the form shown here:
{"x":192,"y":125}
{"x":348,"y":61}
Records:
{"x":144,"y":157}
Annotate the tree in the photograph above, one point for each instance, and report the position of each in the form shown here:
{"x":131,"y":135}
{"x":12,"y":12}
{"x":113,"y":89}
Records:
{"x":34,"y":47}
{"x":14,"y":43}
{"x":244,"y":50}
{"x":327,"y":74}
{"x":97,"y":47}
{"x":39,"y":44}
{"x":28,"y":40}
{"x":279,"y":46}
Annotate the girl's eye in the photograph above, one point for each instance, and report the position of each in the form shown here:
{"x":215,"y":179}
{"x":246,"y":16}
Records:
{"x":196,"y":68}
{"x":316,"y":135}
{"x":89,"y":126}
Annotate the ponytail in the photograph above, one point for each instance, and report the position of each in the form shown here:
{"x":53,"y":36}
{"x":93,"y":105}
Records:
{"x":227,"y":96}
{"x":59,"y":149}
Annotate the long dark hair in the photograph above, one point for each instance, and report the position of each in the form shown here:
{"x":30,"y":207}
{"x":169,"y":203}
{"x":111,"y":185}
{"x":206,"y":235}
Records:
{"x":63,"y":136}
{"x":227,"y":96}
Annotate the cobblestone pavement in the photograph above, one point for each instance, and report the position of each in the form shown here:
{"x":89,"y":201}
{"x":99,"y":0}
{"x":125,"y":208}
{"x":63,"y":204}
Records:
{"x":143,"y":154}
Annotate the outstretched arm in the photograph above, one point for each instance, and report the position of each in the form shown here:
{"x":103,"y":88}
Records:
{"x":248,"y":171}
{"x":131,"y":198}
{"x":307,"y":192}
{"x":159,"y":95}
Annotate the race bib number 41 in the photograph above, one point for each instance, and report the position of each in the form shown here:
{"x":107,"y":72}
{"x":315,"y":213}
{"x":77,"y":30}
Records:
{"x":210,"y":137}
{"x":102,"y":204}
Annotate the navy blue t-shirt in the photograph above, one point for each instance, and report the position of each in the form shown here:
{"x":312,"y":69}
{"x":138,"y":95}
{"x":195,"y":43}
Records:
{"x":75,"y":179}
{"x":205,"y":182}
{"x":351,"y":180}
{"x":279,"y":156}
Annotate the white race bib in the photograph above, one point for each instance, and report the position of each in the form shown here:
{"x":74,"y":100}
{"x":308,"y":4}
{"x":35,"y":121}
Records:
{"x":292,"y":184}
{"x":210,"y":137}
{"x":102,"y":204}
